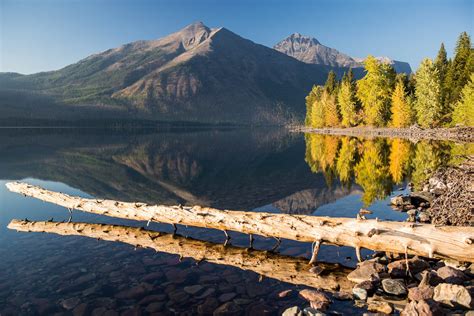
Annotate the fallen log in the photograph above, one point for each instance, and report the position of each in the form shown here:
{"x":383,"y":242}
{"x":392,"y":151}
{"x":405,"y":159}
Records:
{"x":395,"y":237}
{"x":284,"y":268}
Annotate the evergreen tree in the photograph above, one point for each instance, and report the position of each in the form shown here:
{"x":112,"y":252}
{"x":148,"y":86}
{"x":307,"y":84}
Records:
{"x":428,"y":95}
{"x":464,"y":109}
{"x":374,"y":92}
{"x":402,"y":113}
{"x":441,"y":63}
{"x":347,"y":103}
{"x":348,"y":76}
{"x":331,"y":82}
{"x":458,"y":72}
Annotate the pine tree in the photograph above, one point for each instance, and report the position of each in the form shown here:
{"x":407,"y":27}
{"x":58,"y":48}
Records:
{"x":428,"y":95}
{"x":374,"y":92}
{"x":458,"y":72}
{"x":347,"y":103}
{"x":464,"y":109}
{"x":402,"y":113}
{"x":441,"y":63}
{"x":331,"y":82}
{"x":331,"y":112}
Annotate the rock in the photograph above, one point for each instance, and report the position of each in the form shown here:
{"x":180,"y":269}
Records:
{"x":255,"y":289}
{"x":70,"y":303}
{"x":285,"y":293}
{"x":206,"y":293}
{"x":110,"y":313}
{"x":260,"y":310}
{"x":134,"y":311}
{"x":453,"y":295}
{"x":424,"y":217}
{"x":422,"y":308}
{"x":309,"y":311}
{"x":152,"y":298}
{"x":366,"y":271}
{"x":363,"y":290}
{"x":152,"y":276}
{"x":81,"y":310}
{"x":398,"y":269}
{"x":208,"y":306}
{"x":227,"y":297}
{"x":400,"y":200}
{"x":178,"y":296}
{"x":394,"y":286}
{"x":342,"y":296}
{"x":293,"y":311}
{"x":155,"y":307}
{"x":316,"y":270}
{"x":99,"y":311}
{"x":451,"y":275}
{"x":316,"y":298}
{"x":176,"y":275}
{"x":228,"y":309}
{"x":193,"y":289}
{"x":135,"y":292}
{"x":380,"y":307}
{"x":420,"y":293}
{"x":428,"y":278}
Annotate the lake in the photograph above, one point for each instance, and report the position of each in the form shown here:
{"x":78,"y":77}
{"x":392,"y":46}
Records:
{"x":250,"y":169}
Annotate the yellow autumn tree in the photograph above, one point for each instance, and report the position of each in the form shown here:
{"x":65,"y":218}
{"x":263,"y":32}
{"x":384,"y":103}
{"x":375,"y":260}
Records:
{"x":331,"y":112}
{"x":402,"y":112}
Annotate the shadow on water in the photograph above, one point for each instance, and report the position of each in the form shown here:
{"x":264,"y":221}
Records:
{"x":241,"y":169}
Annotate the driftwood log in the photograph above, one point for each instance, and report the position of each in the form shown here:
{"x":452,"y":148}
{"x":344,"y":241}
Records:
{"x":395,"y":237}
{"x":284,"y":268}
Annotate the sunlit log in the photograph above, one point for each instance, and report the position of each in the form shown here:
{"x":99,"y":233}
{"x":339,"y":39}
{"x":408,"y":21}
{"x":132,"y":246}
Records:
{"x":396,"y":237}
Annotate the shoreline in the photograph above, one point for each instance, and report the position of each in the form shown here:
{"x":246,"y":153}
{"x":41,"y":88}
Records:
{"x":460,"y":134}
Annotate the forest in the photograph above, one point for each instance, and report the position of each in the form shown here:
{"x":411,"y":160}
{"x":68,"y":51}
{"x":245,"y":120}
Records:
{"x":439,"y":94}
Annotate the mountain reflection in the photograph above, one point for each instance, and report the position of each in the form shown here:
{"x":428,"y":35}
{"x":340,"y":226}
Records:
{"x":376,"y":165}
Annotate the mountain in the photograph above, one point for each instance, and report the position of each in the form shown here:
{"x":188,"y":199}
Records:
{"x":196,"y":74}
{"x":310,"y":50}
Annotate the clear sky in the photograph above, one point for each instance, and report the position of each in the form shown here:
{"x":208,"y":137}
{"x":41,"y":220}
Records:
{"x":40,"y":35}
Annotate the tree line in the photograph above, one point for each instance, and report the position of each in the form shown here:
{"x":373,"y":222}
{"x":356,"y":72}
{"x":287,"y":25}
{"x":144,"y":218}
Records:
{"x":439,"y":94}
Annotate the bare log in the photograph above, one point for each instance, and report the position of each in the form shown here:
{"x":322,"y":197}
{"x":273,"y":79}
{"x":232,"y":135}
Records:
{"x":284,"y":268}
{"x":397,"y":237}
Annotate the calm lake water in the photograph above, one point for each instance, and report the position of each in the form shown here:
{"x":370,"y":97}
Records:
{"x":240,"y":169}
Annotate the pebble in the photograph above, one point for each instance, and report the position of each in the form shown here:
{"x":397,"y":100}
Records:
{"x":193,"y":289}
{"x":309,"y":311}
{"x":380,"y":307}
{"x":293,"y":311}
{"x":316,"y":298}
{"x":423,"y":307}
{"x":453,"y":295}
{"x":228,"y":309}
{"x":70,"y":303}
{"x":451,"y":275}
{"x":155,"y":307}
{"x":394,"y":286}
{"x":420,"y":293}
{"x":285,"y":293}
{"x":398,"y":269}
{"x":206,"y":293}
{"x":366,"y":271}
{"x":227,"y":297}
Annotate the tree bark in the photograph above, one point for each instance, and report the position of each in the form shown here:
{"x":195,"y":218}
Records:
{"x":397,"y":237}
{"x":284,"y":268}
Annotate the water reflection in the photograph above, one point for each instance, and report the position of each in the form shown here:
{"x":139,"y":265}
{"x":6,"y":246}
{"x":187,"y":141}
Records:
{"x":378,"y":164}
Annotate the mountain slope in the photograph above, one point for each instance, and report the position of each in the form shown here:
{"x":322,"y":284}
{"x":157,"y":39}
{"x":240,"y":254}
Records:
{"x":311,"y":51}
{"x":196,"y":74}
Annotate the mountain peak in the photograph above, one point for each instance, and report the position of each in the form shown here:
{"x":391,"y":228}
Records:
{"x":302,"y":38}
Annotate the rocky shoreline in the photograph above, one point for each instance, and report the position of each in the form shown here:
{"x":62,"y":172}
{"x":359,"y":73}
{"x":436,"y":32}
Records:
{"x":415,"y":133}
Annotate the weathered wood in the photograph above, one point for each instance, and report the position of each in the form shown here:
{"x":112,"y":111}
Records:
{"x":284,"y":268}
{"x":397,"y":237}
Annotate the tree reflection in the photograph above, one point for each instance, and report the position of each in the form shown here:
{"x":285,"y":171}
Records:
{"x":377,"y":164}
{"x":400,"y":157}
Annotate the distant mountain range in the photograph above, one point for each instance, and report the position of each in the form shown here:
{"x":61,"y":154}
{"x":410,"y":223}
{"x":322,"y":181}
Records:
{"x":197,"y":74}
{"x":310,"y":50}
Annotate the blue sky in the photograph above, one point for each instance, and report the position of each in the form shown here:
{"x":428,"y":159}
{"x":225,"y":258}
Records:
{"x":40,"y":35}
